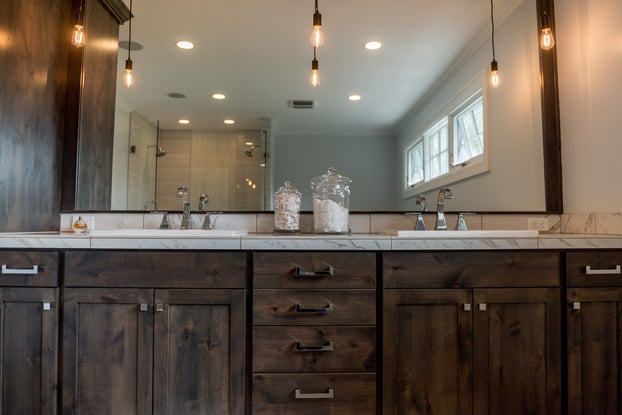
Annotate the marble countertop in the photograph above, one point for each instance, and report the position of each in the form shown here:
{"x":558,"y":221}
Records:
{"x":352,"y":242}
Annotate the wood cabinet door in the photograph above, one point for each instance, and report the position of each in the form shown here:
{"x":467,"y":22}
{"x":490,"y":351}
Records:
{"x":517,"y":351}
{"x":428,"y":352}
{"x":107,"y":351}
{"x":594,"y":350}
{"x":199,"y":352}
{"x":29,"y":347}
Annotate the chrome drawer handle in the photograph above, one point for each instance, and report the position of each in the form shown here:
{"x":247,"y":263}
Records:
{"x":317,"y":310}
{"x":610,"y":271}
{"x":20,"y":271}
{"x":299,"y":272}
{"x":329,"y":346}
{"x":327,"y":395}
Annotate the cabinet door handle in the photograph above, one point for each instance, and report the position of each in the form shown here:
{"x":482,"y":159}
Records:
{"x":317,"y":310}
{"x":609,"y":271}
{"x":482,"y":307}
{"x":20,"y":271}
{"x":159,"y":308}
{"x":299,"y":272}
{"x":576,"y":306}
{"x":47,"y":306}
{"x":467,"y":307}
{"x":144,"y":307}
{"x":329,"y":346}
{"x":326,"y":395}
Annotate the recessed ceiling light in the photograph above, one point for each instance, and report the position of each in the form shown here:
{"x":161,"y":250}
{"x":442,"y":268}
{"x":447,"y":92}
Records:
{"x":185,"y":44}
{"x":218,"y":96}
{"x":183,"y":121}
{"x":229,"y":122}
{"x":373,"y":45}
{"x":354,"y":97}
{"x":249,"y":143}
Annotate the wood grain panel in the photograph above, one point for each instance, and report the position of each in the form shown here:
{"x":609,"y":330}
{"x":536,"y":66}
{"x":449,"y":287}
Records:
{"x":46,"y":261}
{"x":278,"y":269}
{"x":445,"y":269}
{"x":274,"y":349}
{"x":576,"y":263}
{"x":155,"y":269}
{"x":348,"y":307}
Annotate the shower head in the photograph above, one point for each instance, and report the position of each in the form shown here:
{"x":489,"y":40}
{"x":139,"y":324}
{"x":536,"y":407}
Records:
{"x":160,"y":152}
{"x":249,"y":152}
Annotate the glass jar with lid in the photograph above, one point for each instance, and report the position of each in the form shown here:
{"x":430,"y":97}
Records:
{"x":331,"y":199}
{"x":287,"y":209}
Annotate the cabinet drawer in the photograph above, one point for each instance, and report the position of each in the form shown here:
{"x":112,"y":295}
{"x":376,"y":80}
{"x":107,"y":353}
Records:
{"x":594,"y":269}
{"x":314,"y":394}
{"x":314,"y":270}
{"x":314,"y":349}
{"x":155,"y":269}
{"x":29,"y":269}
{"x":314,"y":307}
{"x":471,"y":269}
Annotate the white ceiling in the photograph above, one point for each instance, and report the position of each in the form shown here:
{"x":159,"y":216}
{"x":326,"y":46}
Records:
{"x":258,"y":54}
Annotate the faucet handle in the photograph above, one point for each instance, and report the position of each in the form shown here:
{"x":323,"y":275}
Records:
{"x":165,"y":224}
{"x":461,"y":223}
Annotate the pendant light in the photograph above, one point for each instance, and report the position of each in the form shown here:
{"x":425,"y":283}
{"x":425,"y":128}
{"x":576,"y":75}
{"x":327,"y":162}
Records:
{"x":317,"y":34}
{"x":78,"y":38}
{"x":547,"y":40}
{"x":494,"y":66}
{"x":128,"y":74}
{"x":315,"y":70}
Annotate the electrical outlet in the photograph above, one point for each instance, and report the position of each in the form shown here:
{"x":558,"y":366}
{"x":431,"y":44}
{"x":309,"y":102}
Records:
{"x":538,"y":224}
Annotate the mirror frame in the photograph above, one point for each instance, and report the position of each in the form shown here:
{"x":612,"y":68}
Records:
{"x":549,"y":94}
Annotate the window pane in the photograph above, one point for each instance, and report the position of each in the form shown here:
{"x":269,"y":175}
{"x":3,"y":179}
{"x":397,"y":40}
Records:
{"x":437,"y":159}
{"x":469,"y":132}
{"x":414,"y":161}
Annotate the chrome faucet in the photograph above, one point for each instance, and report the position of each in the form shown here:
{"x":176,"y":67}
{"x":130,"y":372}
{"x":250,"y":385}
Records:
{"x":444,"y":193}
{"x":421,"y":201}
{"x":203,"y":200}
{"x":182,"y":192}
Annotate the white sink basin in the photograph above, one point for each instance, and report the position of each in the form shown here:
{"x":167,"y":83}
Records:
{"x":167,"y":233}
{"x":490,"y":234}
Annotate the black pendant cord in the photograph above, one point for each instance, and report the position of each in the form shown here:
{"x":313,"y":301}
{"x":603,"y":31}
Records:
{"x":492,"y":21}
{"x":129,"y":40}
{"x":316,"y":8}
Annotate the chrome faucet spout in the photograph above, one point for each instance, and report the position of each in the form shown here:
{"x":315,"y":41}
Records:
{"x":207,"y":222}
{"x":443,"y":194}
{"x":184,"y":194}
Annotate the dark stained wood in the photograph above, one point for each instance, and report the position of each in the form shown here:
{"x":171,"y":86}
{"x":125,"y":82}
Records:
{"x":107,"y":351}
{"x":29,"y":353}
{"x":278,"y":269}
{"x":274,"y":349}
{"x":47,"y":262}
{"x":427,"y":352}
{"x":199,"y":352}
{"x":601,"y":260}
{"x":32,"y":95}
{"x":354,"y":394}
{"x":444,"y":269}
{"x":594,"y":351}
{"x":350,"y":307}
{"x":155,"y":269}
{"x":517,"y":351}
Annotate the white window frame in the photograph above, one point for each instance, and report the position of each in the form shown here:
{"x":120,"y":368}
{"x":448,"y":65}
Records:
{"x":477,"y":165}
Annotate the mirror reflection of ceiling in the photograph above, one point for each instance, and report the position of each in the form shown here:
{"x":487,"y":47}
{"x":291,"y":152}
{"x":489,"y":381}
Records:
{"x":258,"y":54}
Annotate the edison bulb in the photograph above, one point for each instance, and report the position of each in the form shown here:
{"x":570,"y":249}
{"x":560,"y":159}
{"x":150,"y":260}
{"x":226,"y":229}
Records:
{"x":315,"y":73}
{"x":547,"y":41}
{"x":317,"y":36}
{"x":128,"y":74}
{"x":77,"y":37}
{"x":494,"y":74}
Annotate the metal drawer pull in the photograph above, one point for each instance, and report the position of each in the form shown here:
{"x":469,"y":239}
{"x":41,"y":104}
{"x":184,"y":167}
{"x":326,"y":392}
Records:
{"x":329,"y":346}
{"x":328,"y":395}
{"x":482,"y":307}
{"x":467,"y":307}
{"x":326,"y":273}
{"x":47,"y":306}
{"x":301,"y":309}
{"x":144,"y":307}
{"x":576,"y":306}
{"x":20,"y":271}
{"x":590,"y":271}
{"x":159,"y":308}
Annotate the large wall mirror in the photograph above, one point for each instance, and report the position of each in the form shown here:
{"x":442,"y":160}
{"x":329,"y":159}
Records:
{"x":259,"y":56}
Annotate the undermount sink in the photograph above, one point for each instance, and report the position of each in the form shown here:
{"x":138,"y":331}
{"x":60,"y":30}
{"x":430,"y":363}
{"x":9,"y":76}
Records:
{"x":475,"y":234}
{"x":167,"y":233}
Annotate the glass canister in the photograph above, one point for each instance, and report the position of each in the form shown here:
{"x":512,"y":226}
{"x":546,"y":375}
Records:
{"x":287,"y":209}
{"x":331,"y":199}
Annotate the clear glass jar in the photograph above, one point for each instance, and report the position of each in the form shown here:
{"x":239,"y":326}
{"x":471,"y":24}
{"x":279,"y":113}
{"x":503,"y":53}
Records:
{"x":331,"y":199}
{"x":287,"y":209}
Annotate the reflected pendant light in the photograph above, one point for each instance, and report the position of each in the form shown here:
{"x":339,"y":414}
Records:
{"x":128,"y":74}
{"x":317,"y":34}
{"x":494,"y":66}
{"x":315,"y":70}
{"x":78,"y":38}
{"x":547,"y":40}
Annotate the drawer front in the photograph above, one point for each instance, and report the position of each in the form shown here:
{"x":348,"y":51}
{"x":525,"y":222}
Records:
{"x":157,"y":269}
{"x":314,"y":394}
{"x":471,"y":269}
{"x":314,"y":307}
{"x":29,"y":268}
{"x":314,"y":270}
{"x":314,"y":349}
{"x":595,"y":269}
